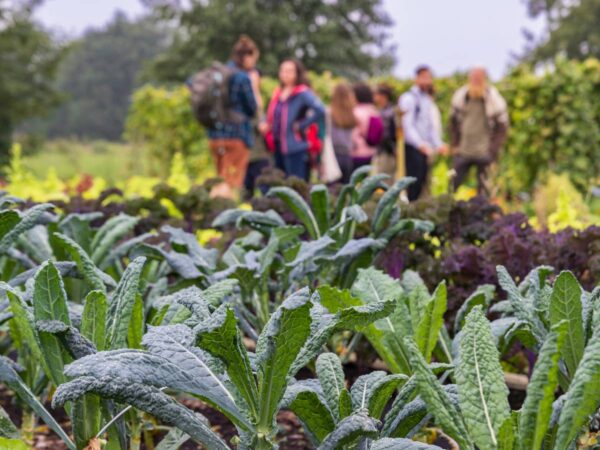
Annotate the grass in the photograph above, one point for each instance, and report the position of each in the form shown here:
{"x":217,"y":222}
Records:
{"x":112,"y":161}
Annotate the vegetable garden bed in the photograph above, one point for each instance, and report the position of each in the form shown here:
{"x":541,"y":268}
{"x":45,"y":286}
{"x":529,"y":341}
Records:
{"x":152,"y":340}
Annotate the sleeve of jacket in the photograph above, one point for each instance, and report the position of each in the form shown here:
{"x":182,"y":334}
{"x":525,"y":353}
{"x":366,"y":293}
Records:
{"x":500,"y":127}
{"x":454,"y":128}
{"x":408,"y":106}
{"x":312,"y":103}
{"x":498,"y":138}
{"x":246,"y":95}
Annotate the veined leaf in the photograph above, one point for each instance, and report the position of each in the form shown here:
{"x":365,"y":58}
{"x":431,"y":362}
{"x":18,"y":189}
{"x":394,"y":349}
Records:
{"x":13,"y":229}
{"x":7,"y":428}
{"x":121,"y":305}
{"x":217,"y":292}
{"x":482,"y":391}
{"x":405,"y":394}
{"x":305,"y":398}
{"x":187,"y":371}
{"x":50,"y":303}
{"x":220,"y":336}
{"x":184,"y":241}
{"x":374,"y":390}
{"x":70,"y":337}
{"x":522,"y":307}
{"x":173,"y":440}
{"x":373,"y":286}
{"x":9,"y":376}
{"x":77,"y":227}
{"x":136,"y":324}
{"x":84,"y":263}
{"x":565,"y":304}
{"x":537,"y":408}
{"x":299,"y":207}
{"x":403,"y":225}
{"x":406,"y":418}
{"x":349,"y":431}
{"x":331,"y":377}
{"x":35,"y":243}
{"x":401,"y":444}
{"x":93,"y":320}
{"x":8,"y":220}
{"x":345,"y":406}
{"x":85,"y":413}
{"x":360,"y":174}
{"x":387,"y":202}
{"x":288,"y":234}
{"x":509,"y":431}
{"x":432,"y":321}
{"x":109,"y":234}
{"x":309,"y":250}
{"x":124,"y":249}
{"x":144,"y":398}
{"x":319,"y":198}
{"x":369,"y":185}
{"x":23,"y":321}
{"x":277,"y":348}
{"x":483,"y":296}
{"x":447,"y":415}
{"x":583,"y":396}
{"x":355,"y":247}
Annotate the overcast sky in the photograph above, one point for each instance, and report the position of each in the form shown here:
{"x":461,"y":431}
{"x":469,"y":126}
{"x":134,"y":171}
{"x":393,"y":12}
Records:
{"x":448,"y":35}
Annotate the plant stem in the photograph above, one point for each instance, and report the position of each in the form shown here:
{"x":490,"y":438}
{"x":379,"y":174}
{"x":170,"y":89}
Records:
{"x":28,"y":426}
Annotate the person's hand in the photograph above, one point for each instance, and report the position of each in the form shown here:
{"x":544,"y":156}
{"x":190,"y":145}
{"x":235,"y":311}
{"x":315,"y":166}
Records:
{"x":263,"y":127}
{"x":443,"y":149}
{"x":426,"y":150}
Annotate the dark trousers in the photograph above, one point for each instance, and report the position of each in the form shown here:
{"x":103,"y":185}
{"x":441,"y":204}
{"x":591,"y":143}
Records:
{"x":346,"y":166}
{"x":462,"y":165}
{"x":416,"y":166}
{"x":254,"y":170}
{"x":296,"y":164}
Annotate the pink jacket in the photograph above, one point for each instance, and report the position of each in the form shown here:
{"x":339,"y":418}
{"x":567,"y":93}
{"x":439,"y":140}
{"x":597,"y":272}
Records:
{"x":360,"y":149}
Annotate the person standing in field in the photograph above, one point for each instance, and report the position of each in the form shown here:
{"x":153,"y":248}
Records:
{"x":368,"y":132}
{"x":292,"y":117}
{"x":385,"y":161}
{"x":259,"y":154}
{"x":342,"y":124}
{"x":231,"y":140}
{"x":422,"y":137}
{"x":478,"y":128}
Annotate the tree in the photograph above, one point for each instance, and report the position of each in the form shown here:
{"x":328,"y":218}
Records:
{"x":98,"y":77}
{"x":573,"y":29}
{"x":28,"y":61}
{"x":347,"y":37}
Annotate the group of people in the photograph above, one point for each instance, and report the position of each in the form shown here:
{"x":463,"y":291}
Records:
{"x":361,"y":126}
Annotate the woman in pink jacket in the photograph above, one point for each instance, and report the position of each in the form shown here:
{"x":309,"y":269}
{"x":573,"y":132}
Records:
{"x":365,"y":114}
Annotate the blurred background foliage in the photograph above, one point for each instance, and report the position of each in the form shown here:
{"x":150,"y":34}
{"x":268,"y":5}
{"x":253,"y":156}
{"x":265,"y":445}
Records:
{"x":112,"y":104}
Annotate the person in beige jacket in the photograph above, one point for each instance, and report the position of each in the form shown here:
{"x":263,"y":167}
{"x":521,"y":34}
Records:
{"x":478,"y":128}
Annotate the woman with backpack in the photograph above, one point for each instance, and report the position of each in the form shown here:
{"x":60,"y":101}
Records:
{"x":368,"y":132}
{"x":292,"y":117}
{"x":342,"y":123}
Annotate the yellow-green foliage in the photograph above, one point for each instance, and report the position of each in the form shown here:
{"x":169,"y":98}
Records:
{"x":555,"y":124}
{"x":22,"y":183}
{"x":559,"y":205}
{"x":161,"y":119}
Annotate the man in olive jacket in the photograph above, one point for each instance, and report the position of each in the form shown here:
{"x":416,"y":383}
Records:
{"x":478,"y":128}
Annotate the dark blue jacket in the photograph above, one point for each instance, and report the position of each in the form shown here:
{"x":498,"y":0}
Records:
{"x":290,"y":119}
{"x":241,"y":99}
